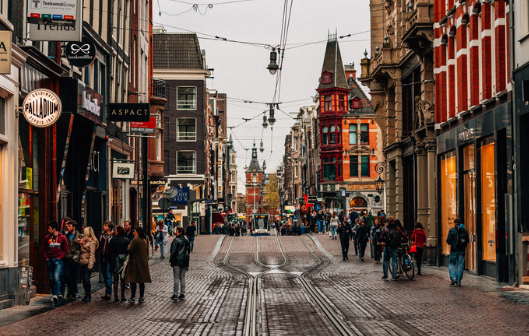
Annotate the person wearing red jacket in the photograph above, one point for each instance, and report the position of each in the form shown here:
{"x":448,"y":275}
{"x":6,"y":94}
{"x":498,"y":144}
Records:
{"x":419,"y":238}
{"x":55,"y":247}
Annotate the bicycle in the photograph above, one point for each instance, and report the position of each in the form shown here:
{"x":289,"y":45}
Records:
{"x":404,"y":262}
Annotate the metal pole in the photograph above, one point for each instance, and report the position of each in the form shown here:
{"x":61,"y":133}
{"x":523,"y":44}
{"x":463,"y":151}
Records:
{"x":145,"y":207}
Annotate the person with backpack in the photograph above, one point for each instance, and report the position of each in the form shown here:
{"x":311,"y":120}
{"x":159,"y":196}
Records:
{"x":344,"y":231}
{"x":458,"y":240}
{"x":180,"y":250}
{"x":391,"y":237}
{"x":362,"y":238}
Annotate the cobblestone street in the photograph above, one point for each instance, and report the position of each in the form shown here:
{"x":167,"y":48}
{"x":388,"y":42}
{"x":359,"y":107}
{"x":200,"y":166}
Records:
{"x":291,"y":272}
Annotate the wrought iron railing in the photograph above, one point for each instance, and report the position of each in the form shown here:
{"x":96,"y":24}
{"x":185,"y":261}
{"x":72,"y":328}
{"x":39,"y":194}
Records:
{"x":158,"y":88}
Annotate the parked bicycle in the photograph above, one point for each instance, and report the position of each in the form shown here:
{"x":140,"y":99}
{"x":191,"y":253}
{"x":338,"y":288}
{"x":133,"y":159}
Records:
{"x":404,"y":262}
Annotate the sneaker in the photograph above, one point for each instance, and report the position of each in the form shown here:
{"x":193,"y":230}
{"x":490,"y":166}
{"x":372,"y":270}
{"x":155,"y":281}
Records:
{"x":123,"y":299}
{"x":116,"y":299}
{"x":54,"y":299}
{"x":361,"y":259}
{"x":182,"y":297}
{"x":61,"y":296}
{"x":141,"y":300}
{"x":458,"y":284}
{"x":162,"y":257}
{"x":127,"y":286}
{"x":106,"y":297}
{"x":132,"y":300}
{"x":419,"y":273}
{"x":174,"y":297}
{"x":74,"y":296}
{"x":452,"y":283}
{"x":395,"y":279}
{"x":384,"y":277}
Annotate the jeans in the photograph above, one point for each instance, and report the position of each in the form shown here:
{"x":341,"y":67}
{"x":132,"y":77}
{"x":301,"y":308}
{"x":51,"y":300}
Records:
{"x":133,"y":290}
{"x":162,"y":248}
{"x":85,"y":278}
{"x":378,"y":252}
{"x":192,"y":241}
{"x":107,"y":277}
{"x":390,"y":252}
{"x":333,"y":231}
{"x":459,"y":257}
{"x":320,"y":227}
{"x":345,"y":247}
{"x":54,"y":273}
{"x":179,"y":276}
{"x":70,"y":269}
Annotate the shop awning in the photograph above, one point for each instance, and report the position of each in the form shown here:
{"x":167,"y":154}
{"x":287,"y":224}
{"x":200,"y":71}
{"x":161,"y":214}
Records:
{"x":217,"y":218}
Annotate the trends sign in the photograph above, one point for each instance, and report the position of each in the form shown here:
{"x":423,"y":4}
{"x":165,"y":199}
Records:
{"x":81,"y":54}
{"x":42,"y":108}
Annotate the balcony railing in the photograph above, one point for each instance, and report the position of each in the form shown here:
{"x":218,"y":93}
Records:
{"x":186,"y":170}
{"x":186,"y":136}
{"x":158,"y":88}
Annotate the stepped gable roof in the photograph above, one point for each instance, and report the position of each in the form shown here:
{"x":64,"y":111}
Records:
{"x":177,"y":51}
{"x":333,"y":63}
{"x":254,"y":164}
{"x":356,"y":91}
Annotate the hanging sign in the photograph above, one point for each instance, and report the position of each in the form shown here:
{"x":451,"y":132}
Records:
{"x":42,"y":108}
{"x":123,"y":170}
{"x":143,"y":127}
{"x":182,"y":196}
{"x":129,"y":112}
{"x":81,"y":54}
{"x":5,"y":52}
{"x":52,"y":11}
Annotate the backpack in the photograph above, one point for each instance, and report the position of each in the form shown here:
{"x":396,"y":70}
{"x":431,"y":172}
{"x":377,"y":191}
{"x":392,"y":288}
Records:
{"x":393,"y":236}
{"x":462,"y":239}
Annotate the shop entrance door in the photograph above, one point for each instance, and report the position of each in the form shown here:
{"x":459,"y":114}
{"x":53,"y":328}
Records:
{"x":469,"y":206}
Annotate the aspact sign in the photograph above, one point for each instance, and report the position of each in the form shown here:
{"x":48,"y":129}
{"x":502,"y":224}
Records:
{"x":129,"y":112}
{"x":42,"y":108}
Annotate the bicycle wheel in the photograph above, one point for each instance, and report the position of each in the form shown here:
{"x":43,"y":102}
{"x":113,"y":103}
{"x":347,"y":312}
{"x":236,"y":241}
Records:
{"x":408,"y":267}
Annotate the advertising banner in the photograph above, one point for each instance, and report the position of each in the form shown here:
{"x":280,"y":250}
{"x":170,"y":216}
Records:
{"x":143,"y":127}
{"x":182,"y":196}
{"x":61,"y":12}
{"x":129,"y":112}
{"x":57,"y":32}
{"x":5,"y":52}
{"x":123,"y":170}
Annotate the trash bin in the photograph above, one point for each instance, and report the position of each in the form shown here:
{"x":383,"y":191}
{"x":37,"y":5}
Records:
{"x":25,"y":276}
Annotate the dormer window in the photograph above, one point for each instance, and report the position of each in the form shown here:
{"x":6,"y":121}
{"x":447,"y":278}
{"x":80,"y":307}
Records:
{"x":326,"y":77}
{"x":356,"y":103}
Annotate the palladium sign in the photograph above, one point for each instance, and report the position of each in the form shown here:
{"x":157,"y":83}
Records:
{"x":42,"y":108}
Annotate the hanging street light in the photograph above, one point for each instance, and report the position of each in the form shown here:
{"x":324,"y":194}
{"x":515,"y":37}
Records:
{"x":271,"y":119}
{"x":262,"y":147}
{"x":265,"y":124}
{"x":379,"y":182}
{"x":273,"y":67}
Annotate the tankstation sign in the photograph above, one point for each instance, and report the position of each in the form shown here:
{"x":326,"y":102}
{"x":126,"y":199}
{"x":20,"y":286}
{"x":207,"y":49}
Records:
{"x":42,"y":108}
{"x":129,"y":112}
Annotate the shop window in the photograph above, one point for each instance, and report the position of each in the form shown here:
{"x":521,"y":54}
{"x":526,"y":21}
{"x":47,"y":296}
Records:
{"x":186,"y":98}
{"x":186,"y":162}
{"x":353,"y":166}
{"x":328,"y":103}
{"x":448,"y":196}
{"x":488,"y":200}
{"x":353,"y":135}
{"x":324,"y":136}
{"x":364,"y":134}
{"x":186,"y":129}
{"x":365,"y":165}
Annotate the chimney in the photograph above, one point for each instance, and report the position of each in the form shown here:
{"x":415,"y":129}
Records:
{"x":350,"y":70}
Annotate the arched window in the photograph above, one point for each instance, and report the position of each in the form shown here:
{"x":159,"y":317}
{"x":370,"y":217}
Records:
{"x":324,"y":136}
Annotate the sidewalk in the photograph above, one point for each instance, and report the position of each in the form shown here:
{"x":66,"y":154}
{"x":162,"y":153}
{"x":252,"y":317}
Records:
{"x":41,"y":303}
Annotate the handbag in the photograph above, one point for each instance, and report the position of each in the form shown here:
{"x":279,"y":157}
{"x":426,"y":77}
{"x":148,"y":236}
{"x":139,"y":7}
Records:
{"x":413,"y":248}
{"x":123,"y":269}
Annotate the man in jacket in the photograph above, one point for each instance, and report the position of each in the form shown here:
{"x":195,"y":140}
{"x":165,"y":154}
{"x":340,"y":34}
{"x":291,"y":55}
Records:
{"x":70,"y":267}
{"x":391,"y":246}
{"x":105,"y":255}
{"x":362,"y":237}
{"x":457,"y":253}
{"x":180,"y":250}
{"x":129,"y":231}
{"x":344,"y":231}
{"x":54,"y":249}
{"x":328,"y":217}
{"x":190,"y":234}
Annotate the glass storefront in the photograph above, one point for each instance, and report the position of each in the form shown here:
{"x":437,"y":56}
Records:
{"x":469,"y":204}
{"x":488,"y":199}
{"x":448,"y":196}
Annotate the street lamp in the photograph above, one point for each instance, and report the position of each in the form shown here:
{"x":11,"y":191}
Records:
{"x":273,"y":67}
{"x":265,"y":124}
{"x":379,"y":182}
{"x":271,"y":119}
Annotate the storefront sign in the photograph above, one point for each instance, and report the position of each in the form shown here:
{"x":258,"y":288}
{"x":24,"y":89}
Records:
{"x":91,"y":101}
{"x":143,"y":127}
{"x":182,"y":196}
{"x":151,"y":182}
{"x":123,"y":170}
{"x":52,"y":11}
{"x":81,"y":54}
{"x":360,"y":187}
{"x":467,"y":135}
{"x":5,"y":52}
{"x":57,"y":32}
{"x":42,"y":108}
{"x":129,"y":112}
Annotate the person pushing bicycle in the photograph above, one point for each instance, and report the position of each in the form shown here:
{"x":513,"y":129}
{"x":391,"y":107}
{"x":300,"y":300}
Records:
{"x":391,"y":238}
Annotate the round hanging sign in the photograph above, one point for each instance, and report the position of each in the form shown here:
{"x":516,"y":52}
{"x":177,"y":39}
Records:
{"x":304,"y":208}
{"x":81,"y":54}
{"x":42,"y":107}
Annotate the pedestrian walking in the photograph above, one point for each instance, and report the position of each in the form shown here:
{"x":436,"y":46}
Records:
{"x":418,"y":237}
{"x":129,"y":231}
{"x":313,"y":220}
{"x":70,"y":267}
{"x":89,"y":245}
{"x":376,"y":239}
{"x":170,"y":222}
{"x":105,"y":255}
{"x":344,"y":230}
{"x":335,"y":222}
{"x":55,"y":247}
{"x":161,"y":237}
{"x":391,"y":237}
{"x":118,"y":248}
{"x":355,"y":226}
{"x":180,"y":250}
{"x":190,"y":234}
{"x":328,"y":217}
{"x":362,"y":237}
{"x":321,"y":222}
{"x":458,"y":240}
{"x":137,"y":271}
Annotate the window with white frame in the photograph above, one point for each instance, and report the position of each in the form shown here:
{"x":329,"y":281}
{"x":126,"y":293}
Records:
{"x":186,"y":98}
{"x":186,"y":162}
{"x":186,"y":129}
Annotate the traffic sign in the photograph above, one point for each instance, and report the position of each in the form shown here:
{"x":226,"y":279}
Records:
{"x":317,"y":207}
{"x":163,"y":203}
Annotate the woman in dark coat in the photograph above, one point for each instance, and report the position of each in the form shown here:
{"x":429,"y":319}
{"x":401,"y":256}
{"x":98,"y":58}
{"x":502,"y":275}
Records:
{"x":138,"y":265}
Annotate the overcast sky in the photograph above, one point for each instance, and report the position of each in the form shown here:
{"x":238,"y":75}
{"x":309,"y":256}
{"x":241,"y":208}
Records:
{"x":240,"y":69}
